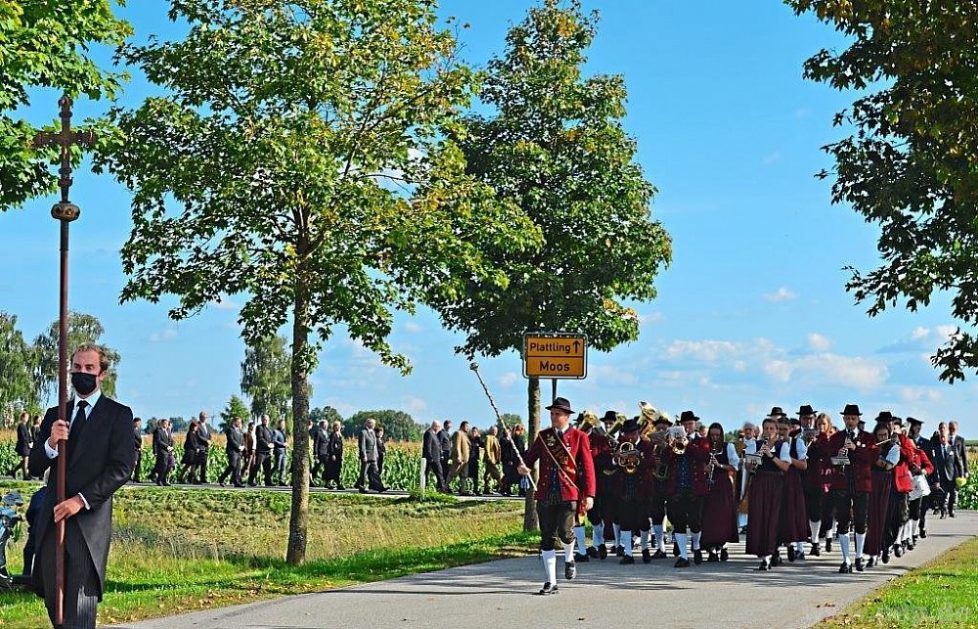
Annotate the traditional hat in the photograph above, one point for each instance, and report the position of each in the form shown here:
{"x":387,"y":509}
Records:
{"x":776,"y":413}
{"x":610,"y":417}
{"x":561,"y":404}
{"x":806,"y":409}
{"x":630,"y":425}
{"x":851,"y":409}
{"x":914,"y":420}
{"x":688,"y":416}
{"x":884,"y":416}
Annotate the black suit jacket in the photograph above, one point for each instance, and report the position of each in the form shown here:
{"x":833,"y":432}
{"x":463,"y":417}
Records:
{"x":431,"y":446}
{"x":100,"y":464}
{"x":945,"y":467}
{"x":23,"y":447}
{"x":235,"y":440}
{"x":962,"y":449}
{"x":263,"y":436}
{"x":162,"y":440}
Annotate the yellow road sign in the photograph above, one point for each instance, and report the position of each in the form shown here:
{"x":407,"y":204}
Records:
{"x":555,"y":355}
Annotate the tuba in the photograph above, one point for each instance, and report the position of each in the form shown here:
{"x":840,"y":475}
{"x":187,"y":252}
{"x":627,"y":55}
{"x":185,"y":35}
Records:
{"x":677,"y":435}
{"x":588,"y":419}
{"x":628,"y":457}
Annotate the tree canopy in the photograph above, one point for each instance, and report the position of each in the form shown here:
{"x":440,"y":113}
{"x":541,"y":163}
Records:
{"x":398,"y":425}
{"x":266,"y":377}
{"x":910,"y":165}
{"x":82,"y":328}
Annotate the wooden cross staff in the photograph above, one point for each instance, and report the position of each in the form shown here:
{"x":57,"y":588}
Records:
{"x":65,"y":212}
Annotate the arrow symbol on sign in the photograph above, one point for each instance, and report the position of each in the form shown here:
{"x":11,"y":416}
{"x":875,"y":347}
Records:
{"x":577,"y":346}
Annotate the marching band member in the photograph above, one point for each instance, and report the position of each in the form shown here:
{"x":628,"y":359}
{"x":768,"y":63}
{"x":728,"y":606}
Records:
{"x":827,"y":530}
{"x":879,"y":495}
{"x":601,"y":458}
{"x":566,"y":488}
{"x":612,"y":422}
{"x":766,"y":492}
{"x":635,"y":461}
{"x":720,"y":507}
{"x":749,"y":438}
{"x":794,"y":521}
{"x":659,"y":486}
{"x":814,"y":486}
{"x":918,"y":508}
{"x":687,"y":488}
{"x":851,"y":482}
{"x":897,"y":533}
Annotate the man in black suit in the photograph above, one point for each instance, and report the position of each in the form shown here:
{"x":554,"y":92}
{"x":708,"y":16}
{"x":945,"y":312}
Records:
{"x":234,"y":448}
{"x":137,"y":435}
{"x":431,"y":453}
{"x":445,"y":440}
{"x":203,"y":445}
{"x":334,"y":460}
{"x":163,"y":451}
{"x":315,"y":430}
{"x":947,"y":468}
{"x":22,"y":447}
{"x":263,"y":453}
{"x":100,"y":461}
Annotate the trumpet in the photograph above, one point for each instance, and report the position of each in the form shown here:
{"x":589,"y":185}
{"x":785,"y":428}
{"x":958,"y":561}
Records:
{"x":676,"y":438}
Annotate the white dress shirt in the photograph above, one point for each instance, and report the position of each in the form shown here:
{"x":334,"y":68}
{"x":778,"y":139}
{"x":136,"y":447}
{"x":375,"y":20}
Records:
{"x":90,"y":401}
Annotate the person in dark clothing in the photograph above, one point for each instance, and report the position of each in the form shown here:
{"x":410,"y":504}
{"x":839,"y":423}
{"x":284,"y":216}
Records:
{"x":315,"y":432}
{"x":381,"y":450}
{"x":281,"y":451}
{"x":263,"y":453}
{"x":445,"y":440}
{"x":431,"y":452}
{"x":23,"y":447}
{"x":333,"y":456}
{"x":519,"y":443}
{"x":475,"y":456}
{"x":234,"y":448}
{"x":510,"y":475}
{"x":191,"y":455}
{"x":33,"y":510}
{"x":137,"y":435}
{"x":163,"y":451}
{"x":204,"y":445}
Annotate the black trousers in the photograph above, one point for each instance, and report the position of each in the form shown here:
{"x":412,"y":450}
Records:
{"x":474,"y":474}
{"x":369,"y":474}
{"x":556,"y":522}
{"x":263,"y":460}
{"x":202,"y":461}
{"x":81,"y":580}
{"x":898,"y":512}
{"x":686,"y":511}
{"x":434,"y":467}
{"x":633,"y":515}
{"x":331,"y":471}
{"x":233,"y":470}
{"x":850,"y":508}
{"x":658,"y":510}
{"x":162,"y":466}
{"x":813,"y":502}
{"x":135,"y":470}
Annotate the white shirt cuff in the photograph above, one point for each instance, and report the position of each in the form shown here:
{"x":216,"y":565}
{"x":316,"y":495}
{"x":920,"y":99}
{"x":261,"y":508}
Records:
{"x":87,"y":508}
{"x":52,"y":453}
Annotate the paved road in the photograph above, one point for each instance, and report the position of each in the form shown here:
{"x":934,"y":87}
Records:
{"x":500,"y":594}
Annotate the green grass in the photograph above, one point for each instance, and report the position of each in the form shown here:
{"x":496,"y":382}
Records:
{"x":942,"y":593}
{"x":181,"y":550}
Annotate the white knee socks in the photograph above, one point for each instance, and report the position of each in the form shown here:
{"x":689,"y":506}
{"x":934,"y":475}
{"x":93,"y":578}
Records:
{"x":617,"y":535}
{"x":626,"y":538}
{"x":860,"y":541}
{"x":844,"y":546}
{"x":814,"y":526}
{"x":549,"y":566}
{"x":696,"y":540}
{"x":569,"y":552}
{"x":660,"y":542}
{"x":681,"y":540}
{"x":579,"y":536}
{"x":645,"y":540}
{"x":597,"y":535}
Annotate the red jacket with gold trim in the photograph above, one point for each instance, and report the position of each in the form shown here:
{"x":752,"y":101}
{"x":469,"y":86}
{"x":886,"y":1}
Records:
{"x":582,"y":470}
{"x":861,"y":461}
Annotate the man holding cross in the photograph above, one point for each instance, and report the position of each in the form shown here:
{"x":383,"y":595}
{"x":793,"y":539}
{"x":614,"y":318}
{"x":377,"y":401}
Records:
{"x":100,"y":461}
{"x":566,"y":488}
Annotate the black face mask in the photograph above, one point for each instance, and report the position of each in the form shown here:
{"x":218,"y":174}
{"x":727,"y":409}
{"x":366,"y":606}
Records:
{"x":84,"y":383}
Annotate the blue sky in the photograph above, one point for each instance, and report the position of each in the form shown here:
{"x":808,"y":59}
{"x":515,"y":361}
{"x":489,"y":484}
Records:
{"x":752,"y":312}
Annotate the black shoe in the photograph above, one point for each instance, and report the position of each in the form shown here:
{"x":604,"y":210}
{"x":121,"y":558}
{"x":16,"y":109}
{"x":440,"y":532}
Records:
{"x":362,"y":490}
{"x":909,"y":545}
{"x":646,"y":556}
{"x":341,"y":488}
{"x":845,"y":568}
{"x":239,"y":485}
{"x":871,"y":562}
{"x":581,"y":558}
{"x":697,"y":556}
{"x":592,"y":552}
{"x":886,"y":556}
{"x":602,"y":551}
{"x":950,"y":513}
{"x":620,"y":551}
{"x":923,"y":534}
{"x":859,"y":564}
{"x":791,"y":553}
{"x":776,"y":559}
{"x":681,"y":563}
{"x":221,"y":482}
{"x":943,"y":513}
{"x":816,"y":551}
{"x":675,"y":549}
{"x":659,"y":555}
{"x":828,"y":545}
{"x":547,"y":589}
{"x":627,"y":560}
{"x":905,"y":543}
{"x":570,"y":570}
{"x":724,"y":555}
{"x":898,"y":551}
{"x":713,"y":557}
{"x":765,"y":565}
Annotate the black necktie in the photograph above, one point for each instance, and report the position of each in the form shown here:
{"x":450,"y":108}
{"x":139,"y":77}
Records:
{"x":77,"y":426}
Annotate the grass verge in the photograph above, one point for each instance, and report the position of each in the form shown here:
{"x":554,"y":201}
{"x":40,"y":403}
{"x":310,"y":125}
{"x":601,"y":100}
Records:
{"x":176,"y":551}
{"x":942,"y":593}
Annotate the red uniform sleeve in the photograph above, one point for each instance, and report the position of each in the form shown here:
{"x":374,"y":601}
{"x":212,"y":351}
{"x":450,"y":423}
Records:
{"x":906,"y":450}
{"x":586,"y":482}
{"x":533,"y":452}
{"x":925,"y":463}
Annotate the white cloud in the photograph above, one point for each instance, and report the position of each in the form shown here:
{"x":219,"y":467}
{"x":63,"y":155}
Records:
{"x":922,"y":339}
{"x":412,"y":328}
{"x":508,"y":379}
{"x":225,"y":304}
{"x":782,"y":294}
{"x":161,"y":337}
{"x":609,"y":375}
{"x":414,"y":404}
{"x":708,"y":351}
{"x":818,"y":342}
{"x":919,"y":394}
{"x":651,"y":318}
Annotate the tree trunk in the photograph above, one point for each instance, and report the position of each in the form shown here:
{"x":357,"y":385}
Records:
{"x":530,"y":522}
{"x":299,"y":517}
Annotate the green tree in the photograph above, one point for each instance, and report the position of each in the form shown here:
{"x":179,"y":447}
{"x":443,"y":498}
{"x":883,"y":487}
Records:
{"x":555,"y":146}
{"x":266,"y":377}
{"x":47,"y":43}
{"x":82,"y":328}
{"x":511,"y":420}
{"x":327,"y":413}
{"x":398,"y":425}
{"x":235,"y":408}
{"x":300,"y":156}
{"x":17,"y":390}
{"x":911,"y":163}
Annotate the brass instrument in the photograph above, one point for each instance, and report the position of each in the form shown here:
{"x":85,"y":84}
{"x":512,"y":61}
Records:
{"x":628,"y":457}
{"x":588,"y":418}
{"x":676,"y":438}
{"x":659,"y":443}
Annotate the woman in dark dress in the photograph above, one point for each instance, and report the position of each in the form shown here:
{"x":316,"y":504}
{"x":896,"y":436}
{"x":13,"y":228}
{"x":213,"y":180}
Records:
{"x":720,"y":505}
{"x":191,"y":455}
{"x":879,"y":497}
